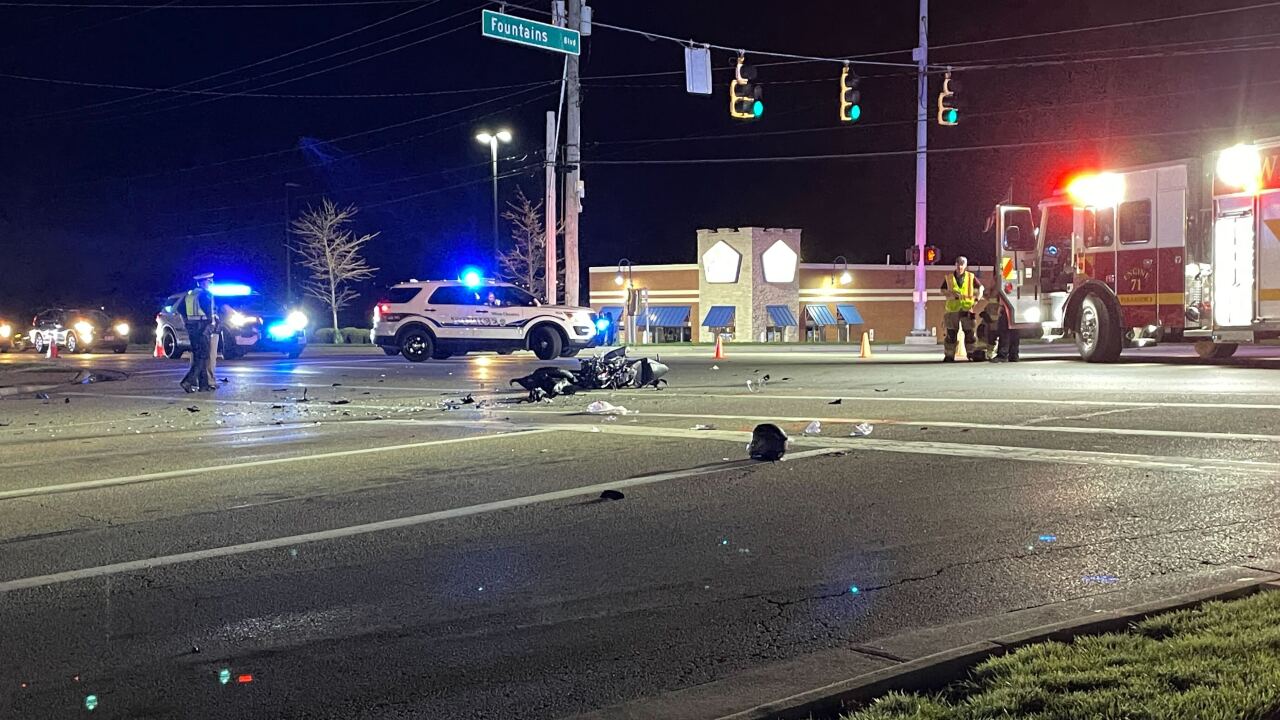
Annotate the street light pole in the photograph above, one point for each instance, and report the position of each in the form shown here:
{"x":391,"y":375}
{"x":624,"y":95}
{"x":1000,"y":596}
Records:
{"x":492,"y":140}
{"x":288,"y":250}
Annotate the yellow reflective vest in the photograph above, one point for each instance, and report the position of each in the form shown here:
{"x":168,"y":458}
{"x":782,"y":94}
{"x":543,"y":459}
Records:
{"x":963,"y":288}
{"x":194,"y":311}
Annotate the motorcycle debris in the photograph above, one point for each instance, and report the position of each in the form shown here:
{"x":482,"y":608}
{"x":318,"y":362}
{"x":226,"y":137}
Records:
{"x":42,"y":396}
{"x":768,"y":442}
{"x":837,"y":401}
{"x":604,"y":407}
{"x":339,"y":401}
{"x":193,"y":408}
{"x":813,"y":428}
{"x":611,"y":495}
{"x":700,"y":426}
{"x":715,"y":367}
{"x":861,"y":430}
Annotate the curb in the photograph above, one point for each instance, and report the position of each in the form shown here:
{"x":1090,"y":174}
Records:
{"x":934,"y":671}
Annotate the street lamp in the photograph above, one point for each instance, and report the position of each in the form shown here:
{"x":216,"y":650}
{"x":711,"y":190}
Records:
{"x":618,"y":279}
{"x":492,"y":141}
{"x":845,"y":277}
{"x":289,"y":187}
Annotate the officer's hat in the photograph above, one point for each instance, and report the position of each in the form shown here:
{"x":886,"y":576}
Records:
{"x":203,"y":276}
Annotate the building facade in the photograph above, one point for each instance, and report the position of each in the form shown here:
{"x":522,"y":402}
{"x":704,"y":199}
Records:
{"x":750,"y":285}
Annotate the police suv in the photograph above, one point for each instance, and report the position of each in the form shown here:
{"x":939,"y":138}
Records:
{"x":438,"y":319}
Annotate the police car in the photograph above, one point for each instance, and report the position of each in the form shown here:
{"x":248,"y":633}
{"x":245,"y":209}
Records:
{"x":248,"y":324}
{"x":437,"y":319}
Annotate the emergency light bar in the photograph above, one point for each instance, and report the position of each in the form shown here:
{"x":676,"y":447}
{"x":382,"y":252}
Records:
{"x":230,"y":289}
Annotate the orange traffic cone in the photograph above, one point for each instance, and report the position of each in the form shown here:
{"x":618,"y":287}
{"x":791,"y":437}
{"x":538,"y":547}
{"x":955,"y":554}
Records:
{"x":719,"y":354}
{"x":51,"y":350}
{"x":158,"y":352}
{"x":961,"y":351}
{"x":865,"y":351}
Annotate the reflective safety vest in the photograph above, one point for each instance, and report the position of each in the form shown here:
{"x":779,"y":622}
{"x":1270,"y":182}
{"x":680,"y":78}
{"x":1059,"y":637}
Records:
{"x":194,"y":310}
{"x":964,"y":289}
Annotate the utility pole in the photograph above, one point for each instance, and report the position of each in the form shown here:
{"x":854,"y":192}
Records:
{"x":573,"y":141}
{"x":921,"y":55}
{"x":550,"y":205}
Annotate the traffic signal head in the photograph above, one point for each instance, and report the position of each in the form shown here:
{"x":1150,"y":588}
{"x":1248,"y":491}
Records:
{"x":948,"y":102}
{"x":850,"y":96}
{"x":746,"y":99}
{"x":931,"y":255}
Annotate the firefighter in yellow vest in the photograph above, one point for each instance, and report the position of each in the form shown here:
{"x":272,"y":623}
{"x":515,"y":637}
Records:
{"x":963,"y":290}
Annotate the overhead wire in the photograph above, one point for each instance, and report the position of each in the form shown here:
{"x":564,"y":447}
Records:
{"x":248,"y":66}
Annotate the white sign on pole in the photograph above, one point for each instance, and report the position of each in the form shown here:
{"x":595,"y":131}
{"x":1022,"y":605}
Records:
{"x":697,"y":70}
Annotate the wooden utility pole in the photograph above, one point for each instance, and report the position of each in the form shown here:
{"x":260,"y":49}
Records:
{"x":573,"y":141}
{"x":550,"y":207}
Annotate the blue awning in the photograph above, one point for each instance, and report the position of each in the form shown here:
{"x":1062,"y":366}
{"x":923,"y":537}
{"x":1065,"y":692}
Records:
{"x":613,"y":312}
{"x":664,"y":316}
{"x":820,"y":314}
{"x":719,"y":316}
{"x":849,"y":314}
{"x":781,"y":316}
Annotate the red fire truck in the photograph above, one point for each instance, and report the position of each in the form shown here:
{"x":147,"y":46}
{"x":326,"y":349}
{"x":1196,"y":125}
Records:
{"x":1184,"y":250}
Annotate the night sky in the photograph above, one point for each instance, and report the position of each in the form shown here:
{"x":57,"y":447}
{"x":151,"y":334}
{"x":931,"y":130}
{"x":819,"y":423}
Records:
{"x":116,"y":196}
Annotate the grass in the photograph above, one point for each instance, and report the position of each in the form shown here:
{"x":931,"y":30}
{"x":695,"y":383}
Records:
{"x":1220,"y":661}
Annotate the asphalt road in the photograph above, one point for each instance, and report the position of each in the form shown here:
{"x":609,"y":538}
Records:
{"x":344,"y":547}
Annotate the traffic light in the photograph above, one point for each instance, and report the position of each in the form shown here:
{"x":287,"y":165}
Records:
{"x":850,"y":97}
{"x":948,"y":102}
{"x":745,"y":97}
{"x":931,"y":255}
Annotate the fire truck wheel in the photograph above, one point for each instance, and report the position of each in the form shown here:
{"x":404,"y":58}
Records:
{"x":1210,"y":350}
{"x":1098,"y":335}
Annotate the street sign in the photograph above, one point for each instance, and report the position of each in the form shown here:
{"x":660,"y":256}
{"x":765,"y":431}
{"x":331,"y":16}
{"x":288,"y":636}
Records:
{"x":501,"y":26}
{"x":697,"y":70}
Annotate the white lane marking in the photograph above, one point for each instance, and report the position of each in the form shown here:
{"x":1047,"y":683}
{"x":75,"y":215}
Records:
{"x":169,"y":474}
{"x":998,"y":452}
{"x":265,"y":403}
{"x":342,"y":386}
{"x":380,"y":526}
{"x":1086,"y":416}
{"x":1067,"y":429}
{"x":1011,"y":402}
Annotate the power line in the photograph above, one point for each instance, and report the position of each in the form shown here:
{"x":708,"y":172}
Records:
{"x":291,"y":96}
{"x":218,"y":6}
{"x":321,"y":71}
{"x":350,"y":136}
{"x":246,"y":66}
{"x":931,"y":151}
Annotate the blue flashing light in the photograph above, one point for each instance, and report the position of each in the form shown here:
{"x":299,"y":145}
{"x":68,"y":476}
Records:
{"x":230,"y":289}
{"x":281,"y":331}
{"x":602,"y":324}
{"x":471,"y":277}
{"x":1051,"y":251}
{"x":853,"y":590}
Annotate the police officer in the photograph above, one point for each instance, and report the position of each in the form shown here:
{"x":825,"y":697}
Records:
{"x":197,"y":311}
{"x":963,"y":290}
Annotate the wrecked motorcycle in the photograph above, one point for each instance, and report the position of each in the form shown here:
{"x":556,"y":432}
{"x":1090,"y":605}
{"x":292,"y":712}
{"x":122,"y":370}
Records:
{"x":614,"y":370}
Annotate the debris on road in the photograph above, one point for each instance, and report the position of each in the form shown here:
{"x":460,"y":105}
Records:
{"x":715,"y":367}
{"x":66,"y":401}
{"x":611,"y":495}
{"x":837,"y":401}
{"x":42,"y":396}
{"x":604,"y":407}
{"x":340,"y":401}
{"x":547,"y":382}
{"x":861,"y":430}
{"x":277,"y":407}
{"x":700,"y":426}
{"x":882,"y":389}
{"x":768,"y":442}
{"x":813,"y":428}
{"x":193,"y":408}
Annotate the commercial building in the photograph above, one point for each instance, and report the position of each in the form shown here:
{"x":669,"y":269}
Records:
{"x":749,"y":284}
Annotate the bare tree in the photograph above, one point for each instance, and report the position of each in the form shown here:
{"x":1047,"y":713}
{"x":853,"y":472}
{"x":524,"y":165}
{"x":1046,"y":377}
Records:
{"x":332,"y":253}
{"x":525,"y":264}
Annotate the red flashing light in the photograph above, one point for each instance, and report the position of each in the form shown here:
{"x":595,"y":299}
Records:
{"x":384,"y":307}
{"x":244,"y":679}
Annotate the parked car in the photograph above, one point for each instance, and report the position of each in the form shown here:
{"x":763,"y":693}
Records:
{"x":249,"y":323}
{"x":439,"y":319}
{"x":78,"y":330}
{"x":12,"y":339}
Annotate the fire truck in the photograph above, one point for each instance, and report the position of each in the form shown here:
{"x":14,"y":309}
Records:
{"x":1187,"y":250}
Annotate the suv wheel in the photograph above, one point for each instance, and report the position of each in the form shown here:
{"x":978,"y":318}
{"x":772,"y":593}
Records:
{"x":73,"y":343}
{"x":169,"y":344}
{"x":38,"y":342}
{"x":545,"y":342}
{"x":416,"y":345}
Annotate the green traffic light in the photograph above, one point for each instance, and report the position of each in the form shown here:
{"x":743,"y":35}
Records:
{"x":855,"y":112}
{"x":224,"y":676}
{"x":757,"y":108}
{"x":951,"y":115}
{"x":90,"y":702}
